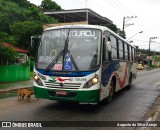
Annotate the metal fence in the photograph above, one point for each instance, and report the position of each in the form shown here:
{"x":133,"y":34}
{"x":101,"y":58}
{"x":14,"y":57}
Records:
{"x":11,"y":73}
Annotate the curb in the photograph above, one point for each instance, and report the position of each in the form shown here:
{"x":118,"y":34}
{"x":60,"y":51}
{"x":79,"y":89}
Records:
{"x":153,"y":118}
{"x":13,"y":90}
{"x":157,"y":113}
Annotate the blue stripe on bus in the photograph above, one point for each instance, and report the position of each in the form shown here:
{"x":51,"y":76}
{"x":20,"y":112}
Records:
{"x":65,"y":74}
{"x":112,"y":67}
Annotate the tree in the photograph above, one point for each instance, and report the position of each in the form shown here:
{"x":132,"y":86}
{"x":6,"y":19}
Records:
{"x":156,"y":57}
{"x":4,"y":37}
{"x":24,"y":30}
{"x":19,"y":20}
{"x":7,"y":55}
{"x":10,"y":12}
{"x":49,"y":5}
{"x":121,"y":33}
{"x":114,"y":28}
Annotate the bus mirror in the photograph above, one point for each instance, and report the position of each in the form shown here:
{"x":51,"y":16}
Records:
{"x":34,"y":39}
{"x":109,"y":46}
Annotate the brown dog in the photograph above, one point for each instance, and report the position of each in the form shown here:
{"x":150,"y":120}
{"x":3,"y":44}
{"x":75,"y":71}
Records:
{"x":24,"y":94}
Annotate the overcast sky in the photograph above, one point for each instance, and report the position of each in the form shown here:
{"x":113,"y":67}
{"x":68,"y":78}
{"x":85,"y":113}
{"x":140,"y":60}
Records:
{"x":147,"y":12}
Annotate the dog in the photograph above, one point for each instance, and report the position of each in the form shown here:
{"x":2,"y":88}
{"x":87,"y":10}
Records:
{"x":24,"y":94}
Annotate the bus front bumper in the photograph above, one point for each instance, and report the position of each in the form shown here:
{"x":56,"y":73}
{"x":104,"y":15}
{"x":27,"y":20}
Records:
{"x":90,"y":96}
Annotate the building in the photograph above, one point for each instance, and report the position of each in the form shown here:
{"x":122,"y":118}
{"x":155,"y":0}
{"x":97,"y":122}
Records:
{"x":79,"y":15}
{"x":22,"y":53}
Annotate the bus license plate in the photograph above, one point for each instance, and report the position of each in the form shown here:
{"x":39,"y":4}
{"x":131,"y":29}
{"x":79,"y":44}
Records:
{"x":64,"y":93}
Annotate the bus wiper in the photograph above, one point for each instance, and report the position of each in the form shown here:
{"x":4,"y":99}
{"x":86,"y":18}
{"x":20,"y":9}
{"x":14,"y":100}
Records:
{"x":54,"y":60}
{"x":59,"y":54}
{"x":66,"y":51}
{"x":73,"y":61}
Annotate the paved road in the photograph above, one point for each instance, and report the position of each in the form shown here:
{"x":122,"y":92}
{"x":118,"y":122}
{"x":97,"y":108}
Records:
{"x":128,"y":105}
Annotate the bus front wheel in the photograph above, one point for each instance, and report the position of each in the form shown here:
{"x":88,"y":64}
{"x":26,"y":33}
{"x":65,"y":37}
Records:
{"x":111,"y":92}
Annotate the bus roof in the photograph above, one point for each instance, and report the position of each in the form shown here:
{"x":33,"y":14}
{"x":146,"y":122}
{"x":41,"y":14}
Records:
{"x":103,"y":28}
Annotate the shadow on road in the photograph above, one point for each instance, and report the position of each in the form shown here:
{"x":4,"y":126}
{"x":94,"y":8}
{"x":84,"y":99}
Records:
{"x":82,"y":108}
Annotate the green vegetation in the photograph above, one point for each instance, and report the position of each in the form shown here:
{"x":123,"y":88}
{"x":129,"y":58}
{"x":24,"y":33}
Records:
{"x":146,"y":51}
{"x":156,"y":57}
{"x":19,"y":20}
{"x":48,"y":5}
{"x":6,"y":55}
{"x":7,"y":95}
{"x":114,"y":28}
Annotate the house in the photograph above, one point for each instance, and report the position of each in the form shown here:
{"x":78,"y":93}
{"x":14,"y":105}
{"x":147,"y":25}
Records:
{"x":22,"y":57}
{"x":15,"y":70}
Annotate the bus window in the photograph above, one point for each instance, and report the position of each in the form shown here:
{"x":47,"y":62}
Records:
{"x":105,"y":52}
{"x":114,"y":47}
{"x":126,"y":51}
{"x":130,"y":53}
{"x":133,"y":52}
{"x":120,"y":49}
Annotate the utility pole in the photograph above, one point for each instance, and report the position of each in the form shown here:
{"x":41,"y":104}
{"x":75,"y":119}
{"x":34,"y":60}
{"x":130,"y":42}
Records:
{"x":149,"y":60}
{"x":126,"y":19}
{"x":87,"y":12}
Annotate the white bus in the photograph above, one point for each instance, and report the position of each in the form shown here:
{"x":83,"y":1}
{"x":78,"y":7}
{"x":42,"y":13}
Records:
{"x":83,"y":63}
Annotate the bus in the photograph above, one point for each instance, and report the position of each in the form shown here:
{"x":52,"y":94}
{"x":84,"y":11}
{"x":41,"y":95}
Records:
{"x":83,"y":63}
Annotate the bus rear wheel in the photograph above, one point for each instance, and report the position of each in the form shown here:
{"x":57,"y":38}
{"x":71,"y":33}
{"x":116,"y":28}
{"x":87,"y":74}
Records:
{"x":129,"y":82}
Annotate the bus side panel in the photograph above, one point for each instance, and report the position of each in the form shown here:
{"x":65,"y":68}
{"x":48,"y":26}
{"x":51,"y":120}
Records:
{"x":134,"y":71}
{"x":121,"y":70}
{"x":122,"y":75}
{"x":107,"y":74}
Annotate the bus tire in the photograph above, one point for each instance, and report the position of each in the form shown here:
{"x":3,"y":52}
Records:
{"x":111,"y":91}
{"x":129,"y":82}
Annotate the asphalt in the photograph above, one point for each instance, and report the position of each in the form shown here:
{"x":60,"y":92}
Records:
{"x":14,"y":86}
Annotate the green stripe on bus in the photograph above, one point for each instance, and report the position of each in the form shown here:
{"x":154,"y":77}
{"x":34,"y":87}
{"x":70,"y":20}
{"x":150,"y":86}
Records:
{"x":91,"y":96}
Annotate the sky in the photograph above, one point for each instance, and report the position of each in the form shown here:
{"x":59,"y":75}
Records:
{"x":147,"y":20}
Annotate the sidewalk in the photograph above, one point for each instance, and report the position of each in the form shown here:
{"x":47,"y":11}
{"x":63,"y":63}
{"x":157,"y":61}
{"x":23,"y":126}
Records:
{"x":13,"y":86}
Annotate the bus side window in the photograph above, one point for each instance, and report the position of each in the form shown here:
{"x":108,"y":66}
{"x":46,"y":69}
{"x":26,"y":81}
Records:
{"x":133,"y":56}
{"x":114,"y":53}
{"x":121,"y":50}
{"x":105,"y":53}
{"x":126,"y":51}
{"x":130,"y":53}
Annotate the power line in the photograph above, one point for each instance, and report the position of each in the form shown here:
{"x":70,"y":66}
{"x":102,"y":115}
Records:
{"x":128,"y":10}
{"x":116,"y":7}
{"x":125,"y":8}
{"x":120,"y":8}
{"x":102,"y":7}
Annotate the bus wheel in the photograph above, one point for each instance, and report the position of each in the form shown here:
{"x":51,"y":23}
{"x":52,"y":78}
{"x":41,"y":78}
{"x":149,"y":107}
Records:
{"x":129,"y":82}
{"x":111,"y":92}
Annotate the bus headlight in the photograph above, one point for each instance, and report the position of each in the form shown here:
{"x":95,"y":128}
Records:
{"x":36,"y":77}
{"x":37,"y":80}
{"x":92,"y":82}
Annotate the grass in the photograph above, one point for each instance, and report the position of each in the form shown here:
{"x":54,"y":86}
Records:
{"x":6,"y":95}
{"x":31,"y":74}
{"x":2,"y":87}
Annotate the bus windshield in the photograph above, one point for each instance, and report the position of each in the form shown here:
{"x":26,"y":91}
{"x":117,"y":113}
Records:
{"x":69,"y":50}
